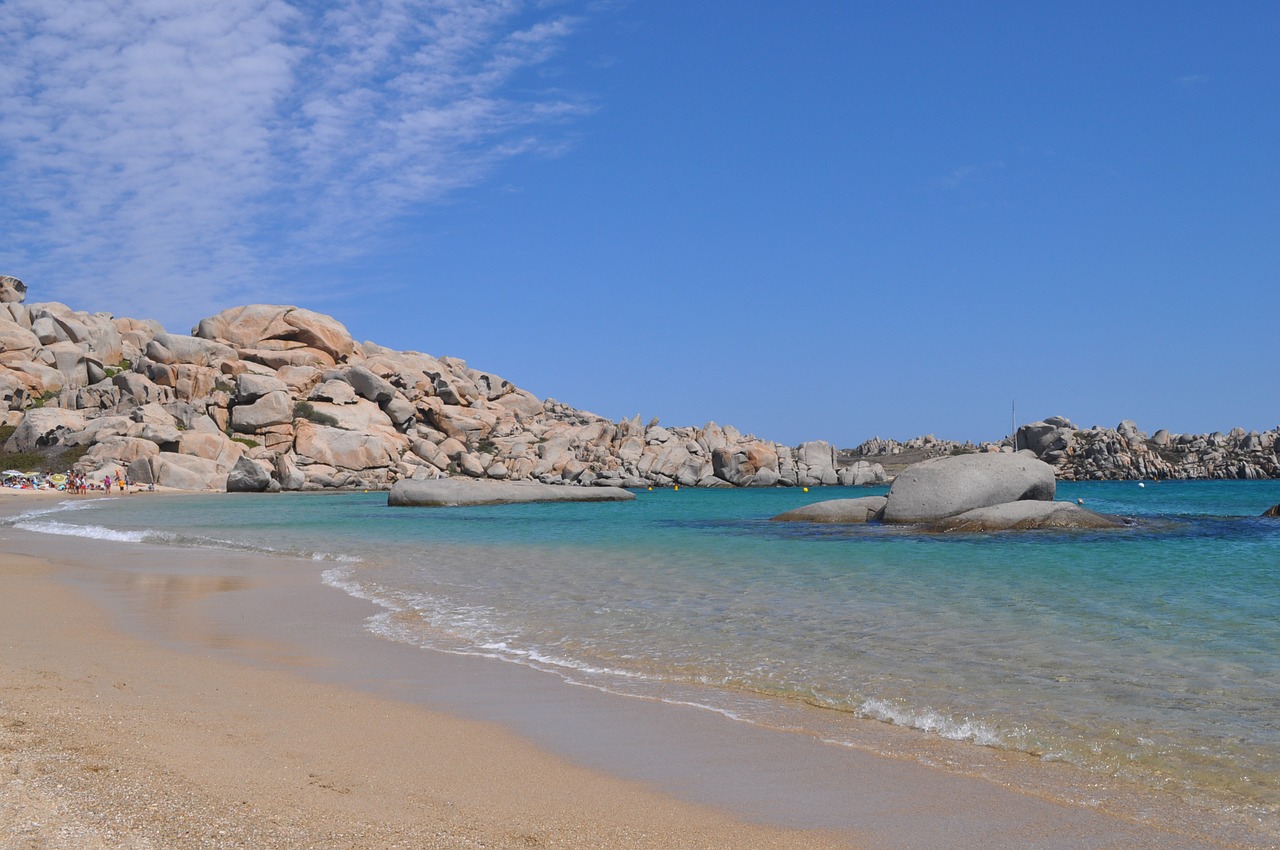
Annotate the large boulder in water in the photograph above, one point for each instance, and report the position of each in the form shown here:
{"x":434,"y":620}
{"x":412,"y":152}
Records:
{"x":1024,"y":516}
{"x":452,"y":492}
{"x":1272,"y":511}
{"x":864,"y":509}
{"x":941,"y":487}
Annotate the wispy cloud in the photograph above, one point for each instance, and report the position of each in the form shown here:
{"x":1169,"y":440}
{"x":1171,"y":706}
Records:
{"x":966,"y":175}
{"x":174,"y":156}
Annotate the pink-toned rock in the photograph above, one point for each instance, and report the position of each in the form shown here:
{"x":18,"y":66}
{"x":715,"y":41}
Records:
{"x":274,"y":408}
{"x":465,"y":424}
{"x":171,"y":349}
{"x":300,"y":379}
{"x":279,"y":359}
{"x":271,"y":327}
{"x":17,"y":344}
{"x":215,"y":447}
{"x":121,"y":451}
{"x":344,"y":449}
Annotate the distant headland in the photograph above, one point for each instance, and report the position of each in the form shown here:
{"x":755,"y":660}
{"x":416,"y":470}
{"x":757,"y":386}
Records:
{"x":270,"y":397}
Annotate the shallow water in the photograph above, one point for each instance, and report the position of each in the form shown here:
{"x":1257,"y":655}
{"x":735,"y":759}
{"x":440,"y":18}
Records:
{"x":1148,"y":654}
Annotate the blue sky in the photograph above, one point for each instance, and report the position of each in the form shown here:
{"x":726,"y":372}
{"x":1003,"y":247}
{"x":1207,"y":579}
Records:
{"x":812,"y":220}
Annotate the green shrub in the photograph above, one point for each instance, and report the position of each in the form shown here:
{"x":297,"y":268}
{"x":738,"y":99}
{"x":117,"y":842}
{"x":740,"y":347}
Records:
{"x":38,"y":461}
{"x":305,"y":410}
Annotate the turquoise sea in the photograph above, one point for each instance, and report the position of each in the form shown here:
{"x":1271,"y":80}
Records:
{"x":1148,"y":656}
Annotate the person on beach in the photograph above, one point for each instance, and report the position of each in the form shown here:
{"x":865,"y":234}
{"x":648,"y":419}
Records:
{"x":106,"y":484}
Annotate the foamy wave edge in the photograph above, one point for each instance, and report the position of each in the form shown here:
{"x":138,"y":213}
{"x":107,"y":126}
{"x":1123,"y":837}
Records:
{"x":933,"y":722}
{"x":93,"y":532}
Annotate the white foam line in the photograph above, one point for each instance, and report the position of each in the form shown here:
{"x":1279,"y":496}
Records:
{"x":932,"y":722}
{"x":93,"y":532}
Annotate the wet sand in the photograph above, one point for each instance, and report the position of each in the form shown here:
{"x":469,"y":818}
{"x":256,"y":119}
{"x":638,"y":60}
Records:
{"x":169,"y":697}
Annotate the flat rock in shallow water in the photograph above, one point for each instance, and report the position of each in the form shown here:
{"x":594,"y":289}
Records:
{"x":451,"y":492}
{"x":1272,"y":511}
{"x":864,"y":509}
{"x":1024,"y":516}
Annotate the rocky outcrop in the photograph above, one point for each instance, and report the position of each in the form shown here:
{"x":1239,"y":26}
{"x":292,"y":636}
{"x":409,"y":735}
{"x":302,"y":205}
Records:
{"x":1105,"y":454}
{"x":864,"y":509}
{"x":947,"y":486}
{"x":278,"y":335}
{"x":1025,"y":516}
{"x":45,"y":426}
{"x":291,"y":392}
{"x":453,"y":492}
{"x":12,"y":290}
{"x":1128,"y":453}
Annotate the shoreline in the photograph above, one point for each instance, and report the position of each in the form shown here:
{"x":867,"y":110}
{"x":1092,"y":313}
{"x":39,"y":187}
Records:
{"x":619,"y":772}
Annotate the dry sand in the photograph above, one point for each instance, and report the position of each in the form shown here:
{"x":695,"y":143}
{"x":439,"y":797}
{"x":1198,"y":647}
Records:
{"x":154,"y":698}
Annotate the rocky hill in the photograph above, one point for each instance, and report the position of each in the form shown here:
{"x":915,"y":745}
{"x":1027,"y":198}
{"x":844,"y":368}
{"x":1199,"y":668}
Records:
{"x":267,"y":397}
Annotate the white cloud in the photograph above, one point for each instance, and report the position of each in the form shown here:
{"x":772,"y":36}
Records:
{"x":166,"y":157}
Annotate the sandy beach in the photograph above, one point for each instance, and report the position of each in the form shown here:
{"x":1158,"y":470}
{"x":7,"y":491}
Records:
{"x":152,"y":697}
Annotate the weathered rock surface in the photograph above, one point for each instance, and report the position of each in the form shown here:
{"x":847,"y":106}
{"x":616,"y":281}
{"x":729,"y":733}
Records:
{"x":45,"y":426}
{"x":12,"y":290}
{"x":863,"y":509}
{"x":247,"y":476}
{"x":1026,"y":515}
{"x":450,"y":492}
{"x":943,"y":487}
{"x":270,"y":327}
{"x":1274,"y":510}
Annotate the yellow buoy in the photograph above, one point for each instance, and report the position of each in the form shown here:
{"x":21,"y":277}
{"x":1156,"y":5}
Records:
{"x":806,"y":489}
{"x":677,"y":486}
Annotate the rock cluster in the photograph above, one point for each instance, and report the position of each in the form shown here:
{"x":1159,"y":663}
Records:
{"x":271,"y":397}
{"x":1122,"y":453}
{"x":1127,"y":453}
{"x":990,"y":491}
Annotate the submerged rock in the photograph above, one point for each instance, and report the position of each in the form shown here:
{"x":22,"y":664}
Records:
{"x":864,"y":509}
{"x":451,"y":492}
